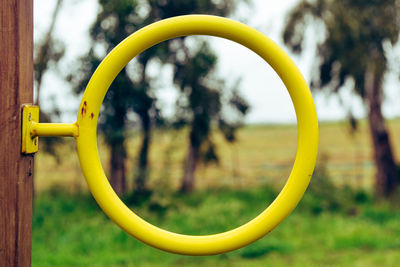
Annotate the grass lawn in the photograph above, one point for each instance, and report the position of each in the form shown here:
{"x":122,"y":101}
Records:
{"x":70,"y":230}
{"x":336,"y":224}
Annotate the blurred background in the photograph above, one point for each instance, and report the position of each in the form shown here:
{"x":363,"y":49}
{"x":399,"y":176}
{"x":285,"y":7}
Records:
{"x":198,"y":134}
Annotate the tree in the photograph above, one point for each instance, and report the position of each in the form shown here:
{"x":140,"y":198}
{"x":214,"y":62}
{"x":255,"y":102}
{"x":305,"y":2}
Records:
{"x":133,"y":90}
{"x":353,"y":50}
{"x":48,"y":52}
{"x":115,"y":21}
{"x":203,"y":102}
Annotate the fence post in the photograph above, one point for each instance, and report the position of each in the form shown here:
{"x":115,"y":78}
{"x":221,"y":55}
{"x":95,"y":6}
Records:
{"x":16,"y":170}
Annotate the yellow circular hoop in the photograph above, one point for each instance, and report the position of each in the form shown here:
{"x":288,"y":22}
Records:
{"x":151,"y":35}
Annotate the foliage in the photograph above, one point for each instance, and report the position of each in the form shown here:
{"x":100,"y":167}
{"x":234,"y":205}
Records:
{"x":48,"y":51}
{"x":133,"y":89}
{"x":353,"y":30}
{"x":202,"y":103}
{"x":353,"y":39}
{"x":204,"y":98}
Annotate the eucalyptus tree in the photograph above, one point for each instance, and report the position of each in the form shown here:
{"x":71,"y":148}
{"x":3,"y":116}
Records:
{"x":204,"y":98}
{"x":133,"y":89}
{"x":352,"y":53}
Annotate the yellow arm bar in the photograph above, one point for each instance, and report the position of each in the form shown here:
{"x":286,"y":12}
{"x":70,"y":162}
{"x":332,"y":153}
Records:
{"x":54,"y":129}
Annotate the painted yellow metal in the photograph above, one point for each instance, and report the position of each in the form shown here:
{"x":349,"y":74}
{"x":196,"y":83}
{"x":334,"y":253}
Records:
{"x":32,"y":129}
{"x":84,"y":130}
{"x":155,"y":33}
{"x":29,"y":144}
{"x":54,"y":129}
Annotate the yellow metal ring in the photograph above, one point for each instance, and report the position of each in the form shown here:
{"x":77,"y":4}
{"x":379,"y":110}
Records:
{"x":303,"y":166}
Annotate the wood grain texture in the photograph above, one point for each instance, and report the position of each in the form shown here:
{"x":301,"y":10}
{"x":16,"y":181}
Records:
{"x":16,"y":170}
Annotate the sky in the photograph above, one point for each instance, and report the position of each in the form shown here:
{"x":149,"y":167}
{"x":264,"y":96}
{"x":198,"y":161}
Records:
{"x":261,"y":87}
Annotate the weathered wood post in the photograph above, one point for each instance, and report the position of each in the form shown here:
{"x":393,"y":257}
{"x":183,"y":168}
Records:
{"x":16,"y":170}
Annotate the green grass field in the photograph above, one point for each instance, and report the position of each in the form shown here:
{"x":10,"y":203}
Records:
{"x":337,"y":223}
{"x":70,"y":230}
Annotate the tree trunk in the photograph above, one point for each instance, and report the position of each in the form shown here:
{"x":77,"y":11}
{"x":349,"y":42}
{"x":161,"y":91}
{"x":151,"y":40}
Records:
{"x":140,"y":180}
{"x":187,"y":182}
{"x":117,"y":164}
{"x":386,"y":176}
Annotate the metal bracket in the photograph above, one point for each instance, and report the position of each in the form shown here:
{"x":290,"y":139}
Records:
{"x":30,"y":114}
{"x":32,"y":129}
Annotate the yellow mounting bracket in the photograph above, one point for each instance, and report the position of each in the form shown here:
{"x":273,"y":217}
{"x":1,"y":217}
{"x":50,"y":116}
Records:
{"x":32,"y":129}
{"x":30,"y":114}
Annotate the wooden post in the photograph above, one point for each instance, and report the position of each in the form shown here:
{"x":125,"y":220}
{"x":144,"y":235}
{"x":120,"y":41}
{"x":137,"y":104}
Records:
{"x":16,"y":170}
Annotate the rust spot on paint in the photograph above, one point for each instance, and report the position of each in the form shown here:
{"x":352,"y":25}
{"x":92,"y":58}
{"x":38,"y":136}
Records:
{"x":84,"y":109}
{"x":91,"y":115}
